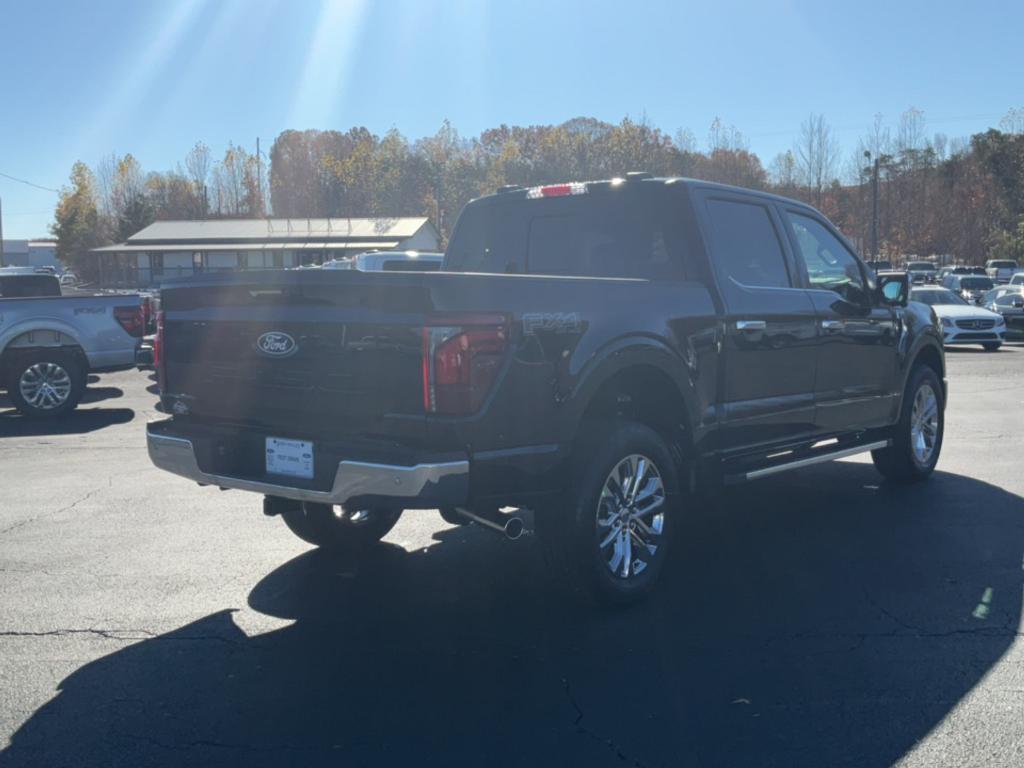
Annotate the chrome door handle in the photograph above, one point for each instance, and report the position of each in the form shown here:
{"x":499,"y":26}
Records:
{"x":751,"y":325}
{"x":832,"y":325}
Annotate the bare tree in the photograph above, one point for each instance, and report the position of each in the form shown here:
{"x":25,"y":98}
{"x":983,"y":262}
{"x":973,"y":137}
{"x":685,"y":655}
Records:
{"x":197,"y":163}
{"x":910,"y":132}
{"x":817,"y":155}
{"x":1013,"y":121}
{"x":685,"y":141}
{"x":727,"y":137}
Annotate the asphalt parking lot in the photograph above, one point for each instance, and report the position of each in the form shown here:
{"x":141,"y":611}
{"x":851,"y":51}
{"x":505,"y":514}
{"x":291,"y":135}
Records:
{"x":820,"y":618}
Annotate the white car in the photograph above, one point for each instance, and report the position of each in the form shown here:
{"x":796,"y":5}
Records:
{"x":1017,"y":279}
{"x":963,"y":323}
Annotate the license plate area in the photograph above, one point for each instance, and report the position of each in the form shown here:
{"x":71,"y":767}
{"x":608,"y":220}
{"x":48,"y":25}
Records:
{"x":290,"y":458}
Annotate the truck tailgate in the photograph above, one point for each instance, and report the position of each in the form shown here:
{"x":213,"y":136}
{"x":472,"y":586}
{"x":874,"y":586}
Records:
{"x":298,"y":353}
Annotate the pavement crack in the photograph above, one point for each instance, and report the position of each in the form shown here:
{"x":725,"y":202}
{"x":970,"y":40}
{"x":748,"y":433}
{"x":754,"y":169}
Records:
{"x":125,"y":635}
{"x":41,"y":515}
{"x":889,"y":614}
{"x":584,"y":730}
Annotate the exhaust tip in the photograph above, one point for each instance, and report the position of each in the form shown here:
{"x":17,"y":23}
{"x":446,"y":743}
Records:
{"x":514,"y":528}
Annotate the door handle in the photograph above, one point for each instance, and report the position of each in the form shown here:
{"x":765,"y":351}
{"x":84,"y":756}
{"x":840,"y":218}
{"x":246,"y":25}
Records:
{"x":832,"y":325}
{"x":751,"y":325}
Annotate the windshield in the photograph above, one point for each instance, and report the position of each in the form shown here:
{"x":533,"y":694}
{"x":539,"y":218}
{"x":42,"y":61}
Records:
{"x":1003,"y":264}
{"x":975,"y":283}
{"x":920,"y":266}
{"x":936,"y":296}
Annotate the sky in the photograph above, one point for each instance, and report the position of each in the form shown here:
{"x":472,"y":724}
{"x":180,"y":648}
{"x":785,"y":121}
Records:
{"x":81,"y":80}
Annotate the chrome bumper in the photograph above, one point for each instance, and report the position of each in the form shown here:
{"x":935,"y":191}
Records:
{"x":431,"y":484}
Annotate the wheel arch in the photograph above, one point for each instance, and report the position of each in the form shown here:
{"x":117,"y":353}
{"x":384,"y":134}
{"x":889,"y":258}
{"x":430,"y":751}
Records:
{"x":928,"y":354}
{"x":645,"y":383}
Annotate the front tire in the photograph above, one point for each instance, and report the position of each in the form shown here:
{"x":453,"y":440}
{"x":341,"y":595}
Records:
{"x":612,"y":538}
{"x":46,"y":383}
{"x":992,"y":346}
{"x":332,"y":527}
{"x":917,"y":436}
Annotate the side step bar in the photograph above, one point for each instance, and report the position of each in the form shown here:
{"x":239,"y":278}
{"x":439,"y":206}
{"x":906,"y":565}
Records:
{"x":807,"y":461}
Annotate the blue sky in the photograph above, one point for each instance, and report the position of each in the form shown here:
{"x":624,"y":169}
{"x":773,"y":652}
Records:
{"x":83,"y":79}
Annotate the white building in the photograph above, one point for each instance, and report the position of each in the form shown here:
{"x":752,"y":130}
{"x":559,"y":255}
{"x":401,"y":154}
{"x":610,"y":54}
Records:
{"x":168,"y":249}
{"x":30,"y":253}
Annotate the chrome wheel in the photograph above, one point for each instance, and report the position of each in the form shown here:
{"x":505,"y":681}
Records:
{"x":924,"y":424}
{"x":45,"y":386}
{"x":631,"y":516}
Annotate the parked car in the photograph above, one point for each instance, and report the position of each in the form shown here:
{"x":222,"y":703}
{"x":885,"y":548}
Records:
{"x":879,"y":265}
{"x":590,"y":351}
{"x":1008,"y":301}
{"x":1001,"y":270}
{"x":970,"y":287}
{"x":962,"y":322}
{"x":1017,"y":279}
{"x":922,"y":271}
{"x":49,"y":343}
{"x":69,"y":279}
{"x":404,"y":261}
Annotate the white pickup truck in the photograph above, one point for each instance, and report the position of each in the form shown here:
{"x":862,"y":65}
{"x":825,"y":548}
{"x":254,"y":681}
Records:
{"x":1001,"y":270}
{"x":50,"y":343}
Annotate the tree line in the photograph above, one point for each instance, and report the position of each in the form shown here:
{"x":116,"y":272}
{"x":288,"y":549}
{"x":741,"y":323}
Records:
{"x":963,"y":197}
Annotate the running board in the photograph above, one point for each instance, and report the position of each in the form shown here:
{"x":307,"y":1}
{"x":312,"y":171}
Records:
{"x":807,"y":461}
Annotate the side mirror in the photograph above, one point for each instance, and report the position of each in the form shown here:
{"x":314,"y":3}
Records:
{"x":894,"y":288}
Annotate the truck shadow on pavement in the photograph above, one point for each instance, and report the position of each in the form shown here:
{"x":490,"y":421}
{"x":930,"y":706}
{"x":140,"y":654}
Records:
{"x":79,"y":421}
{"x":821,"y":619}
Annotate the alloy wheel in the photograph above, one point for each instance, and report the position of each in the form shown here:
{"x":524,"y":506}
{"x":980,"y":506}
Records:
{"x":45,"y":386}
{"x":631,"y":516}
{"x":924,"y":424}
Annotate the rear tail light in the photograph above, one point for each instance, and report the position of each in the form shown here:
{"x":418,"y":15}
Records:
{"x":158,"y":353}
{"x":461,"y":359}
{"x":131,"y":319}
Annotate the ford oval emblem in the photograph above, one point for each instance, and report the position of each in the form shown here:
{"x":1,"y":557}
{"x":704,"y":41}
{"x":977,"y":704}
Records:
{"x":276,"y":344}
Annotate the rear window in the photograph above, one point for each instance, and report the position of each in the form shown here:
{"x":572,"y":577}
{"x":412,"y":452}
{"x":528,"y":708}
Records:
{"x":975,"y":283}
{"x":1003,"y":264}
{"x":614,"y":233}
{"x":922,"y":266}
{"x":747,"y":247}
{"x":27,"y":286}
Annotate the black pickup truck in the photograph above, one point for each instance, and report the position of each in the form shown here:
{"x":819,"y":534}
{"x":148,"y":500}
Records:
{"x":593,"y":352}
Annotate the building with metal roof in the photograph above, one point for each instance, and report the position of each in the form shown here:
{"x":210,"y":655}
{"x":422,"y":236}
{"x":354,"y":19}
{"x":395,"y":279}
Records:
{"x":167,"y":249}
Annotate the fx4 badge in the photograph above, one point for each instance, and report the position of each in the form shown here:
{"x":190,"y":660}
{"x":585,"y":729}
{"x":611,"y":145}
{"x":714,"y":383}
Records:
{"x":276,"y":344}
{"x":550,"y":322}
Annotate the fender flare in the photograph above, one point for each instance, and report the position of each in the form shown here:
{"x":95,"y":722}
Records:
{"x":923,"y":342}
{"x":622,"y":354}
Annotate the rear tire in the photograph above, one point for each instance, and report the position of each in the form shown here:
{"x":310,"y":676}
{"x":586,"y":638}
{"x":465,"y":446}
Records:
{"x":334,"y":528}
{"x":992,"y":346}
{"x":612,"y":536}
{"x":917,"y":436}
{"x":45,"y":383}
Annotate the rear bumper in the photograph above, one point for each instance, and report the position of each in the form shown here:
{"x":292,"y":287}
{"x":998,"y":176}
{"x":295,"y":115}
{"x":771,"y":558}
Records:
{"x":424,"y":484}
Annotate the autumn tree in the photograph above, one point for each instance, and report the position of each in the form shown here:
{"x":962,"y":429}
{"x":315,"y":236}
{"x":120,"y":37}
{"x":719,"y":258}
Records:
{"x":76,"y":225}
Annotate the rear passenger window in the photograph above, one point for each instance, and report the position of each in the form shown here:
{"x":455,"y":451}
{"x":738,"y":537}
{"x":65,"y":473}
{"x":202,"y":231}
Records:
{"x":605,"y":238}
{"x":746,"y":246}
